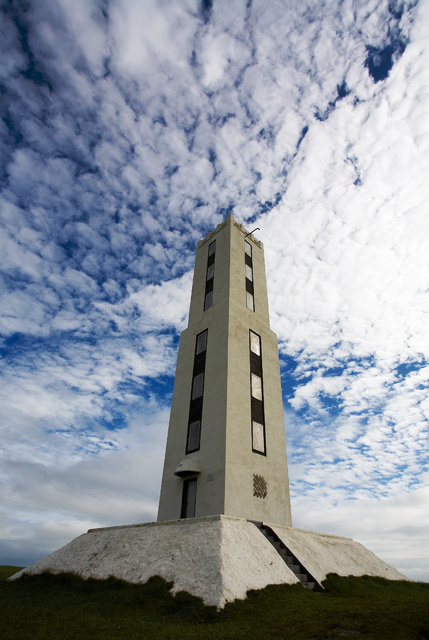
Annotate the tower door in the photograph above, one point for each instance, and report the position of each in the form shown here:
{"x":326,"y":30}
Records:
{"x":188,"y":498}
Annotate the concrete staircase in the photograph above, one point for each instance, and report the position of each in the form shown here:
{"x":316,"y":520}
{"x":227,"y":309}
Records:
{"x":304,"y":576}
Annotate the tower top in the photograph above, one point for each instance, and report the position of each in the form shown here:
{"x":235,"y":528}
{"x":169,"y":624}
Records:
{"x":223,"y":224}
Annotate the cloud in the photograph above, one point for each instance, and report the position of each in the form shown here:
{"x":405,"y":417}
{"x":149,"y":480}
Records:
{"x":384,"y":526}
{"x":82,"y":480}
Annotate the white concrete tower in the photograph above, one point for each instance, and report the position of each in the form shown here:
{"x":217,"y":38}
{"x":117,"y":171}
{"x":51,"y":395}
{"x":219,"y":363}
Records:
{"x":226,"y":449}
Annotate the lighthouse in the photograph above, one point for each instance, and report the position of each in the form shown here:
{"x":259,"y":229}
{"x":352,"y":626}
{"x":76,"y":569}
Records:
{"x":226,"y":448}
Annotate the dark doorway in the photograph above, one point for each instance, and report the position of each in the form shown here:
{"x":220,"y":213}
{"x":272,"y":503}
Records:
{"x":188,"y":498}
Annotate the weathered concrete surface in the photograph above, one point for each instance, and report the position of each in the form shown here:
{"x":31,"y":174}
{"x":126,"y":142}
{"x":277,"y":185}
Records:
{"x":216,"y":558}
{"x":322,"y":554}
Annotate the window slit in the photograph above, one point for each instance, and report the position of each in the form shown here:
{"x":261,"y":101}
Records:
{"x":248,"y":265}
{"x":208,"y":296}
{"x":197,"y":392}
{"x":257,"y":395}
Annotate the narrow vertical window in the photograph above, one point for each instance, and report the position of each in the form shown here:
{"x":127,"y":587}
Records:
{"x":256,"y":387}
{"x":256,"y":395}
{"x":197,"y":386}
{"x":193,"y":441}
{"x":248,"y":263}
{"x":208,"y":297}
{"x":208,"y":300}
{"x":197,"y":392}
{"x":258,"y":437}
{"x":201,"y":342}
{"x":255,"y":343}
{"x":210,"y":272}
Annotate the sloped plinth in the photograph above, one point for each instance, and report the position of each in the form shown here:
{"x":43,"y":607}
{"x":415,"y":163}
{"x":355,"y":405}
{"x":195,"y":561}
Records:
{"x":215,"y":558}
{"x":322,"y":553}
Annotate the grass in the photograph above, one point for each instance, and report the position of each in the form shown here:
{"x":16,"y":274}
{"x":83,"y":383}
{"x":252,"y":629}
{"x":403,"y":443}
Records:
{"x":61,"y":607}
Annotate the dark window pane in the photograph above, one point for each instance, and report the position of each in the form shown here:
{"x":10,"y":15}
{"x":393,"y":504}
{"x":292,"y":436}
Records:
{"x":208,"y":300}
{"x":212,"y":248}
{"x":255,"y":364}
{"x":209,"y":285}
{"x":200,"y":363}
{"x":248,"y":248}
{"x":201,"y":342}
{"x":257,"y":410}
{"x":197,"y":386}
{"x":210,"y":272}
{"x":196,"y":410}
{"x":194,"y":431}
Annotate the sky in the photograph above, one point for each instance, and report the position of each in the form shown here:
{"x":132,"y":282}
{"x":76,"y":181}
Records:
{"x":130,"y":129}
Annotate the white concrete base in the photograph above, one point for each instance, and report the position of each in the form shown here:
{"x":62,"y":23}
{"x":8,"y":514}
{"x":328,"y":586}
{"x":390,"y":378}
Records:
{"x":322,"y":553}
{"x":217,"y":558}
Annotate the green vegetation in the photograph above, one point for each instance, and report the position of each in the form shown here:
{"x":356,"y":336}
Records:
{"x":5,"y":572}
{"x":61,"y":607}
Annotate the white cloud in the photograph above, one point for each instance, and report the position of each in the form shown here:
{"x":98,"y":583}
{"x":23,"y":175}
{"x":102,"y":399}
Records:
{"x":395,"y":528}
{"x":152,"y":31}
{"x":158,"y":306}
{"x":44,"y":495}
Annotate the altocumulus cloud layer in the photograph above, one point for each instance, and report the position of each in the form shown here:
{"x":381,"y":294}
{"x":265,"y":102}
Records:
{"x":129,"y":130}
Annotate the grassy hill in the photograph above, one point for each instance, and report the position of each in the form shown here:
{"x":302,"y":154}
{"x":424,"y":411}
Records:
{"x":61,"y":607}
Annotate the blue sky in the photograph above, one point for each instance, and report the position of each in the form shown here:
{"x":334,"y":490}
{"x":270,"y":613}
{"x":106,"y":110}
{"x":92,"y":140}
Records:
{"x":129,"y":130}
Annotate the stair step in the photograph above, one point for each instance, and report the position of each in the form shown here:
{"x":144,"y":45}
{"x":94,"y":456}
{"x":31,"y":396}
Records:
{"x":276,"y":544}
{"x":296,"y":569}
{"x":289,"y":559}
{"x":302,"y":577}
{"x":309,"y":585}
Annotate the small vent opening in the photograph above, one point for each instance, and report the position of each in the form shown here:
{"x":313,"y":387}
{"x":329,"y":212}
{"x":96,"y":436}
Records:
{"x":260,"y":487}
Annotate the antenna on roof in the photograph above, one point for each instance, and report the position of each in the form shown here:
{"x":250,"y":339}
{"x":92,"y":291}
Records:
{"x":250,"y":233}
